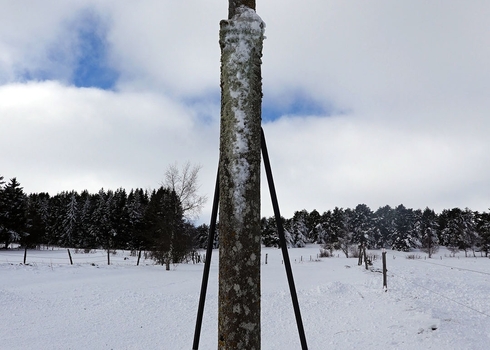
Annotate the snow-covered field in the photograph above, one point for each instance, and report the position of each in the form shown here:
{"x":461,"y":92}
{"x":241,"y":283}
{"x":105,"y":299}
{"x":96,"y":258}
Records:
{"x":430,"y":304}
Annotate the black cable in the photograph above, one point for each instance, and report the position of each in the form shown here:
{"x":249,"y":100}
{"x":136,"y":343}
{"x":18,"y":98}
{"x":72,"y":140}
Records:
{"x":282,"y":241}
{"x":207,"y":265}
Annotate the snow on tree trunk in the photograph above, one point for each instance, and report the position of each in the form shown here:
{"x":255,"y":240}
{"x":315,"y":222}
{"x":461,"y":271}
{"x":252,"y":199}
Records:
{"x":241,"y":40}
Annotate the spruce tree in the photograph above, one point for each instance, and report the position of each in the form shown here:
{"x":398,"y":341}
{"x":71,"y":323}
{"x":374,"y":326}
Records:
{"x":428,"y":232}
{"x":14,"y":213}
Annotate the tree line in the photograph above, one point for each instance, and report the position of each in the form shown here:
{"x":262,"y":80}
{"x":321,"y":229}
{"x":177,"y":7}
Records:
{"x":398,"y":228}
{"x":157,"y":221}
{"x":160,"y":221}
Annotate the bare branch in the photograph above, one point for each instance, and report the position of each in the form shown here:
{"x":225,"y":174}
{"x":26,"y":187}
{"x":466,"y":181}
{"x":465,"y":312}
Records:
{"x":185,"y":183}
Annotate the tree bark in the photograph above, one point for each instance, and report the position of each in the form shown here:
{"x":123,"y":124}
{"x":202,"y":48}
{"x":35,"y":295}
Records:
{"x":241,"y":40}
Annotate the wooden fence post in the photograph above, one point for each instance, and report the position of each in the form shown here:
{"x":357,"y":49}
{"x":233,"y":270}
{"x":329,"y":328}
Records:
{"x":69,"y":255}
{"x":359,"y":261}
{"x":385,"y":285}
{"x":139,"y":257}
{"x":365,"y":256}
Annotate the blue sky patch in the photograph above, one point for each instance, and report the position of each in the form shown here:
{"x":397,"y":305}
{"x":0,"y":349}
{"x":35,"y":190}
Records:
{"x":91,"y":63}
{"x":291,"y":105}
{"x":79,"y":56}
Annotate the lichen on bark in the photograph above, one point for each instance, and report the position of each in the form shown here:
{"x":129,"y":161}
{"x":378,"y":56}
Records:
{"x":241,"y":40}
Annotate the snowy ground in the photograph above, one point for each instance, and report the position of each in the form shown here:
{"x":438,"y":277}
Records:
{"x":430,"y":304}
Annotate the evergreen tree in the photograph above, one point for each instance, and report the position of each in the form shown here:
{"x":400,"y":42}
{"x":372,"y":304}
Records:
{"x":201,"y":236}
{"x":87,"y":205}
{"x":453,"y":231}
{"x":164,"y":227}
{"x":100,"y":228}
{"x":298,"y":228}
{"x":57,"y":208}
{"x":120,"y":220}
{"x":341,"y":229}
{"x":483,"y":230}
{"x":70,"y":221}
{"x":14,"y":202}
{"x":362,"y":224}
{"x":384,"y":222}
{"x":324,"y":231}
{"x":470,"y":239}
{"x":313,"y":221}
{"x":37,"y":216}
{"x":428,"y":232}
{"x":136,"y":207}
{"x":405,"y":235}
{"x":270,"y":236}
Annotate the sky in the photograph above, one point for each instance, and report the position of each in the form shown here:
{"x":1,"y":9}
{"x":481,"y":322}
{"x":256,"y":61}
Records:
{"x":374,"y":102}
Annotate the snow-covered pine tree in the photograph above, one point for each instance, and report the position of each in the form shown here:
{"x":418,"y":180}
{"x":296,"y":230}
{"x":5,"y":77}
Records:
{"x":37,"y":216}
{"x":483,"y":229}
{"x":405,"y":235}
{"x":453,"y":231}
{"x":362,"y":224}
{"x":136,"y":207}
{"x":470,"y":239}
{"x":342,"y":229}
{"x":324,"y":230}
{"x":269,"y":234}
{"x":298,"y":228}
{"x":70,"y":221}
{"x":384,"y":221}
{"x":313,"y":219}
{"x":14,"y":213}
{"x":428,"y":232}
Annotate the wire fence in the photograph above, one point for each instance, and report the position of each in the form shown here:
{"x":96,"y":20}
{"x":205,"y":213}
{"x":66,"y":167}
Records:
{"x":61,"y":256}
{"x":65,"y":256}
{"x":424,"y":261}
{"x":397,"y":272}
{"x":439,"y":294}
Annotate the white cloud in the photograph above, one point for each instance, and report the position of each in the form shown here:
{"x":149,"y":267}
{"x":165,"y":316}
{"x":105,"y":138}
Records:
{"x":55,"y":133}
{"x":411,"y":78}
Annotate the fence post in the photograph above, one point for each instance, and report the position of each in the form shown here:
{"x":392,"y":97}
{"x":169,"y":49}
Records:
{"x":365,"y":256}
{"x":359,"y":261}
{"x":139,"y":257}
{"x":69,"y":255}
{"x":25,"y":255}
{"x":266,"y":258}
{"x":385,"y":285}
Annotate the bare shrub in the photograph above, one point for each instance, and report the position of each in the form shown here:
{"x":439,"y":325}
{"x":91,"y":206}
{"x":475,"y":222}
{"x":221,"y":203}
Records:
{"x":453,"y":250}
{"x":353,"y":251}
{"x":325,"y":253}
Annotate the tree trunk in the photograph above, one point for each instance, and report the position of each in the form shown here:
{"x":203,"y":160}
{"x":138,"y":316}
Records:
{"x":233,"y":5}
{"x":241,"y":40}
